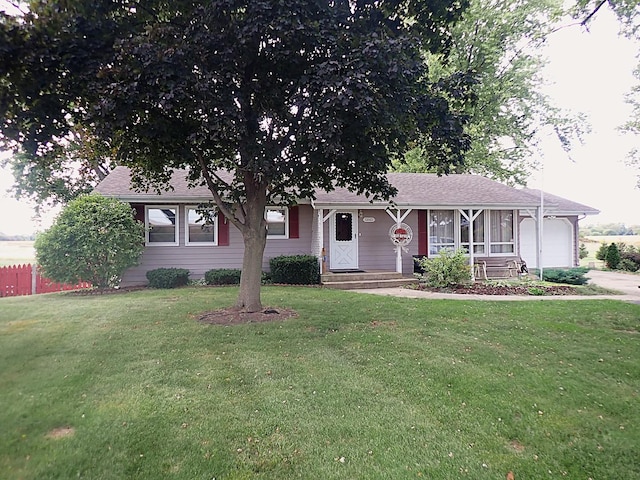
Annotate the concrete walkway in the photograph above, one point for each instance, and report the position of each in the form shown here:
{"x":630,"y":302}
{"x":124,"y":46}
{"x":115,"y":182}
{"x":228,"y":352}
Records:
{"x":627,"y":284}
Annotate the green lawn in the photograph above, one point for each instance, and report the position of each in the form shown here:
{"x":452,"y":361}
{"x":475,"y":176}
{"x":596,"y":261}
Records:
{"x":357,"y":387}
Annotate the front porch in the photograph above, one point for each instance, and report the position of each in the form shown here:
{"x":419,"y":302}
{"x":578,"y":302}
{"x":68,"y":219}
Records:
{"x":366,"y":279}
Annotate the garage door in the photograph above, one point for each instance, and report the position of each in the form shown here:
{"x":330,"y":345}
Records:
{"x":557,"y":246}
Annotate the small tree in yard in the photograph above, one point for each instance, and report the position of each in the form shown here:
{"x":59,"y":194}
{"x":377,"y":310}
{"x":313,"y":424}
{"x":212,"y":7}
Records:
{"x":288,"y":96}
{"x":601,"y":253}
{"x":94,"y":239}
{"x":583,"y":252}
{"x":612,"y":259}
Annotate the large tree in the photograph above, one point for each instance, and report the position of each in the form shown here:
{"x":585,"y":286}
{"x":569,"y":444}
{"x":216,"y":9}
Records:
{"x":288,"y":96}
{"x":500,"y":41}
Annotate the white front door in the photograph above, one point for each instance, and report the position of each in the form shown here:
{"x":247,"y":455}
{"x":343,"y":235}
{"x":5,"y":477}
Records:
{"x":343,"y":248}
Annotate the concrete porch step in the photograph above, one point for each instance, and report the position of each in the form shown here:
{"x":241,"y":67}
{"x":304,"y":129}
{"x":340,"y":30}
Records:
{"x":357,"y":280}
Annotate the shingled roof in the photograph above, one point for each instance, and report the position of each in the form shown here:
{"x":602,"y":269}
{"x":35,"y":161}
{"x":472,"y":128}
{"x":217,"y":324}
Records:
{"x":415,"y":190}
{"x":561,"y":205}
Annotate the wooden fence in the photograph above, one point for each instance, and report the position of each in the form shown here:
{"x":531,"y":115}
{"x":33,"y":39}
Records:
{"x":25,"y":280}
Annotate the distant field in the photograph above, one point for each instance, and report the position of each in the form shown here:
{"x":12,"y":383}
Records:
{"x":628,"y":239}
{"x":14,"y":253}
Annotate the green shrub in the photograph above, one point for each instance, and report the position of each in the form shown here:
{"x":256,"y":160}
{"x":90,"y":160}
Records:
{"x":446,"y":270}
{"x":629,"y":257}
{"x":612,"y":259}
{"x":168,"y":277}
{"x":295,"y":269}
{"x":629,"y":265}
{"x":223,"y":276}
{"x":601,"y":254}
{"x":94,"y":239}
{"x":571,"y":276}
{"x":583,"y":252}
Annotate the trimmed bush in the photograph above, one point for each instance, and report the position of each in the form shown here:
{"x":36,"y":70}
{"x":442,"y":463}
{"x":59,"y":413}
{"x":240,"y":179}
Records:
{"x":223,"y":276}
{"x":571,"y":276}
{"x":94,"y":239}
{"x":168,"y":277}
{"x":448,"y":269}
{"x":295,"y":269}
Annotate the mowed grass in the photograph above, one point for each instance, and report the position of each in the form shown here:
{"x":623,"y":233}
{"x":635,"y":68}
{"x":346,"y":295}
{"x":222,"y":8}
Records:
{"x":356,"y":387}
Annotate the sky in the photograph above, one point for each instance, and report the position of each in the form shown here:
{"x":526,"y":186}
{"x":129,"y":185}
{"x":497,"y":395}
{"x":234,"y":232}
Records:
{"x":587,"y":71}
{"x":590,"y":72}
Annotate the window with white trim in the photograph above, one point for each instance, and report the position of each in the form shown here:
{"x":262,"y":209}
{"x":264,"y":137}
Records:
{"x":277,"y":222}
{"x":441,"y":231}
{"x":197,"y":230}
{"x":502,"y":238}
{"x":161,"y":225}
{"x":478,"y":232}
{"x":493,"y":231}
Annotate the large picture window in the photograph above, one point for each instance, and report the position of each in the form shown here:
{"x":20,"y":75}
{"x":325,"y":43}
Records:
{"x":277,"y":222}
{"x":493,"y":231}
{"x":441,"y":231}
{"x":502,"y":236}
{"x":198,"y":232}
{"x":161,"y":225}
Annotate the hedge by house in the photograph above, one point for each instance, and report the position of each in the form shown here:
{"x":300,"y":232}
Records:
{"x":168,"y":277}
{"x":222,"y":276}
{"x":295,"y":269}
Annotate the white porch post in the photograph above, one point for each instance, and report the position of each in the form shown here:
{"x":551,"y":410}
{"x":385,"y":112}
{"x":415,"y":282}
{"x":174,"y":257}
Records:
{"x":398,"y":218}
{"x":540,"y":219}
{"x":319,"y":236}
{"x":471,"y":259}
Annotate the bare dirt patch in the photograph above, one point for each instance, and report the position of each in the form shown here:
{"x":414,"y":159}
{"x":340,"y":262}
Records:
{"x":517,"y":446}
{"x":235,"y":316}
{"x":61,"y":432}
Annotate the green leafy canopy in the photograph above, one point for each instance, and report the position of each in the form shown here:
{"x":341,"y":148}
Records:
{"x":289,"y":96}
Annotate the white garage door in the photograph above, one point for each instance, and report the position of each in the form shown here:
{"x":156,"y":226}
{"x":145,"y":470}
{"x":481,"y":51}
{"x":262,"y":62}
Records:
{"x":557,"y":246}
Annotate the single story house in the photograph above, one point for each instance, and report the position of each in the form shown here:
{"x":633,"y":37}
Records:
{"x":348,"y":232}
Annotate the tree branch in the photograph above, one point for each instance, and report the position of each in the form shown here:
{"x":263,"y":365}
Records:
{"x":227,"y":212}
{"x":600,"y":5}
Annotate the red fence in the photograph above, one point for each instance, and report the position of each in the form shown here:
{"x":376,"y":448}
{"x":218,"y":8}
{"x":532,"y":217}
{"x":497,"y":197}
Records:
{"x":22,"y":280}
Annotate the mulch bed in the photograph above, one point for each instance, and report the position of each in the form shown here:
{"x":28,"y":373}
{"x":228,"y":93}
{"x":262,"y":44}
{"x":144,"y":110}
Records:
{"x":235,"y":316}
{"x":489,"y":289}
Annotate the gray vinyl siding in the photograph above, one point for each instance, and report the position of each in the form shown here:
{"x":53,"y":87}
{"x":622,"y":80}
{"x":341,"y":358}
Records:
{"x":198,"y":259}
{"x":375,"y":250}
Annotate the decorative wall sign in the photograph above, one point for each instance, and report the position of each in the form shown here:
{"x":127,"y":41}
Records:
{"x":369,"y":219}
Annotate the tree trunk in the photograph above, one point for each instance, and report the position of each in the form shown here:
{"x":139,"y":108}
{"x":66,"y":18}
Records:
{"x":254,"y":233}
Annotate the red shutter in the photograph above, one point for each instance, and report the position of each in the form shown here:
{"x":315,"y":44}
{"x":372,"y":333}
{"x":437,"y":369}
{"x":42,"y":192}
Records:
{"x":223,"y":230}
{"x":423,"y":245}
{"x":294,"y":222}
{"x":139,"y":208}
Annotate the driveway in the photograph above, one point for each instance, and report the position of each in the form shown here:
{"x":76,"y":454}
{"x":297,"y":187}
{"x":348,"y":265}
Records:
{"x":626,"y":283}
